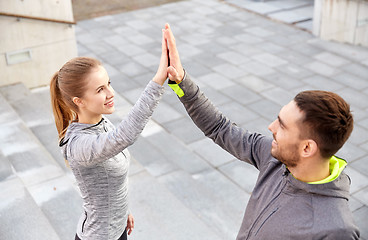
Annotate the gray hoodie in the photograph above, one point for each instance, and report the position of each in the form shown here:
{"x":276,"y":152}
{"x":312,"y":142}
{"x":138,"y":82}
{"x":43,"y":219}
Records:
{"x":99,"y":160}
{"x":280,"y":207}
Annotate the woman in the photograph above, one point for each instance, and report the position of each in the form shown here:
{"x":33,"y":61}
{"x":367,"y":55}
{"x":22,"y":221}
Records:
{"x":94,"y":149}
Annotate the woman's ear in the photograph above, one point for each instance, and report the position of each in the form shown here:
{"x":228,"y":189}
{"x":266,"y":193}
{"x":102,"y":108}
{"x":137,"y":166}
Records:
{"x":310,"y":148}
{"x":78,"y":101}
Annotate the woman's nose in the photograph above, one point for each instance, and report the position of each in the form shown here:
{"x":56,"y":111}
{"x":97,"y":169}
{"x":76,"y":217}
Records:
{"x":111,"y":92}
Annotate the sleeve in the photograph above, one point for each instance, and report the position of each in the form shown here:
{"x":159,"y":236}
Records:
{"x":89,"y":149}
{"x":252,"y":148}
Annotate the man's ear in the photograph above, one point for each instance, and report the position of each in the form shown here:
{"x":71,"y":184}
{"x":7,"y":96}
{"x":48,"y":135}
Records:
{"x":78,"y":101}
{"x":310,"y":148}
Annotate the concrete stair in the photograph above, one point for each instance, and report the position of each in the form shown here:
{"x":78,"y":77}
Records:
{"x":174,"y":192}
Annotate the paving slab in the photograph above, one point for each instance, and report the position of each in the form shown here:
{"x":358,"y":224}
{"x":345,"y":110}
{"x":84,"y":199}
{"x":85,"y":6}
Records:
{"x":254,"y":83}
{"x":237,"y":112}
{"x":21,"y":218}
{"x":211,"y":152}
{"x":351,"y":152}
{"x":241,"y":94}
{"x":354,"y":204}
{"x":358,"y":180}
{"x":294,"y":15}
{"x":187,"y":132}
{"x":177,"y":152}
{"x":201,"y":200}
{"x":230,"y":198}
{"x":60,"y":203}
{"x":6,"y":169}
{"x":257,"y":68}
{"x":266,"y":108}
{"x":151,"y":158}
{"x":331,"y":59}
{"x":217,"y":98}
{"x":362,"y":195}
{"x":28,"y":105}
{"x":352,"y":80}
{"x":241,"y":173}
{"x":283,"y":80}
{"x":26,"y":154}
{"x":354,"y":53}
{"x":323,"y":83}
{"x":154,"y":215}
{"x":259,"y":125}
{"x":361,"y":165}
{"x":360,"y":217}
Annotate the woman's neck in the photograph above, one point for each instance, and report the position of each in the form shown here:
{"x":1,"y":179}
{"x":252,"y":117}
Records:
{"x":89,"y":119}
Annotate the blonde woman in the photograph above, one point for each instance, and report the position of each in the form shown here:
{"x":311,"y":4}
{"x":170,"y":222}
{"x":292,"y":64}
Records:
{"x":95,"y":150}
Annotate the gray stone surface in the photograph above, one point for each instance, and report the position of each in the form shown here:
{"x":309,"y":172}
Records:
{"x":212,"y":153}
{"x":201,"y":200}
{"x":293,"y":16}
{"x":6,"y":170}
{"x":322,"y":83}
{"x":151,"y":158}
{"x":61,"y":204}
{"x":241,"y":173}
{"x":160,"y":214}
{"x":177,"y":152}
{"x":237,"y":113}
{"x":360,"y":217}
{"x":21,"y":218}
{"x":185,"y":130}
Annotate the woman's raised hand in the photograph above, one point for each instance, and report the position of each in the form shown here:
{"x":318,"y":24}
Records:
{"x":175,"y":70}
{"x":161,"y":74}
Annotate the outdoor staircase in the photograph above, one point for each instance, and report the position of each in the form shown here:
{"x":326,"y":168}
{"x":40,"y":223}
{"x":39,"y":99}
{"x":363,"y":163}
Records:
{"x":174,"y":194}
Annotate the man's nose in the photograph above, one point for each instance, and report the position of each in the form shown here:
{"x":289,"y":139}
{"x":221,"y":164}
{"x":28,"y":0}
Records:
{"x":271,"y":126}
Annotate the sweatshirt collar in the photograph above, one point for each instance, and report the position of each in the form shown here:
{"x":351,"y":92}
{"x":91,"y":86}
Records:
{"x":337,"y":186}
{"x":336,"y":167}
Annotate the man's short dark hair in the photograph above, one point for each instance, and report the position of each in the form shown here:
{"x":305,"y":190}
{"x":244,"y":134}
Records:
{"x":327,"y":120}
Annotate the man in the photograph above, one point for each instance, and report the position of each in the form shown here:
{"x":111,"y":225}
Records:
{"x":301,"y":191}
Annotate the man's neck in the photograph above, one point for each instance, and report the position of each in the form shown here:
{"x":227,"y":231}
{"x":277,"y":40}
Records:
{"x":311,"y":170}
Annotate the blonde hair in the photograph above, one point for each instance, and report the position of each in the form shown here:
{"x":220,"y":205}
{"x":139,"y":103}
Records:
{"x":69,"y":82}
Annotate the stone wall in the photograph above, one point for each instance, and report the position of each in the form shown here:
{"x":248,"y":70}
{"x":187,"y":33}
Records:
{"x":342,"y":20}
{"x":31,"y":50}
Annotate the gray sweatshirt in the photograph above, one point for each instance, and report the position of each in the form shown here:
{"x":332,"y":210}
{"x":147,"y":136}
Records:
{"x":99,"y":160}
{"x":280,"y":207}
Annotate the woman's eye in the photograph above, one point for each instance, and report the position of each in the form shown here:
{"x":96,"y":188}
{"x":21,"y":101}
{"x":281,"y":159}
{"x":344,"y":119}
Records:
{"x":99,"y":90}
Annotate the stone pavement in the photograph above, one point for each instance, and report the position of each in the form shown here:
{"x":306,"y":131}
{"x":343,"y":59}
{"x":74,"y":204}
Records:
{"x":182,"y":185}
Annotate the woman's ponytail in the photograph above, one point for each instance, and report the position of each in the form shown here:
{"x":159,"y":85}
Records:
{"x":62,"y":113}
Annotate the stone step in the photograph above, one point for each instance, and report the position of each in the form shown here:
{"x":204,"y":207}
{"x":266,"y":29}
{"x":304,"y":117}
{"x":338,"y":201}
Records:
{"x":21,"y":218}
{"x":61,"y":203}
{"x":6,"y":169}
{"x":30,"y":160}
{"x":35,"y":110}
{"x":160,"y":215}
{"x":213,"y":198}
{"x":50,"y":191}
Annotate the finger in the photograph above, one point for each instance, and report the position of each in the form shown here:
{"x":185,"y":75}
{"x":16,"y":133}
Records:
{"x":163,"y":42}
{"x":169,"y":35}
